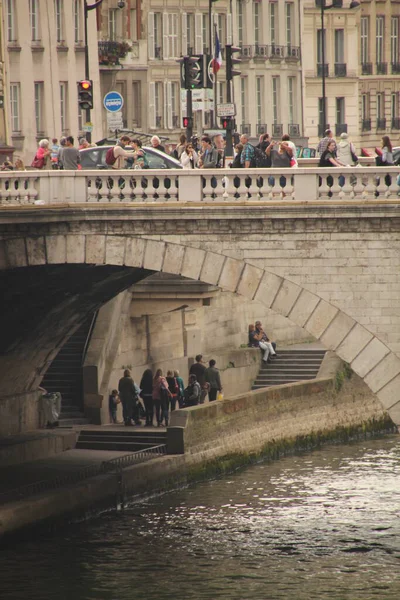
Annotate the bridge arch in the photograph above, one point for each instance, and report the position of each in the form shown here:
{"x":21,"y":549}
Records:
{"x":367,"y":355}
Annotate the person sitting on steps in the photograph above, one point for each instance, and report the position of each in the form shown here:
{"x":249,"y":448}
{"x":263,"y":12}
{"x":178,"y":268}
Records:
{"x":259,"y":339}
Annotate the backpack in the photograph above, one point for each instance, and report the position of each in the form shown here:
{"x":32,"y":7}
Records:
{"x":260,"y":159}
{"x":110,"y":158}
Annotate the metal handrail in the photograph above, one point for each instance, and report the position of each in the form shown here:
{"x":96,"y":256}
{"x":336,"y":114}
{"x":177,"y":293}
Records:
{"x":108,"y":466}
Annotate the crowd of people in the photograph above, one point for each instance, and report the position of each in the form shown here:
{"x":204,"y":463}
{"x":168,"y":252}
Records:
{"x":157,"y":395}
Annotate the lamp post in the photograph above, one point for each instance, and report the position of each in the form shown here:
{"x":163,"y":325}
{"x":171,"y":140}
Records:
{"x":324,"y":7}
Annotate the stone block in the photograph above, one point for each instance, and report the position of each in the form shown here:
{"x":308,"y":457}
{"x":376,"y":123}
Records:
{"x":173,"y":258}
{"x":321,"y":318}
{"x":390,"y":394}
{"x":337,"y":331}
{"x":353,"y":343}
{"x":249,"y":281}
{"x":95,"y":249}
{"x":3,"y":255}
{"x":303,"y":308}
{"x":192,"y":263}
{"x":369,"y":357}
{"x":268,"y":288}
{"x":75,"y":249}
{"x":383,"y":373}
{"x":212,"y":268}
{"x":286,"y":297}
{"x":16,"y":253}
{"x":394,"y":413}
{"x":56,"y":249}
{"x":230,"y":275}
{"x":154,"y":255}
{"x":134,"y":252}
{"x":115,"y":250}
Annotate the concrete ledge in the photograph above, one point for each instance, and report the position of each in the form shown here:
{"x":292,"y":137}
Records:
{"x":35,"y":445}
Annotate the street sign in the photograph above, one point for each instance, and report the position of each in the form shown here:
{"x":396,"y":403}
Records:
{"x":113,"y":102}
{"x":88,"y":127}
{"x":226,"y":110}
{"x":115,"y":120}
{"x":201,"y":100}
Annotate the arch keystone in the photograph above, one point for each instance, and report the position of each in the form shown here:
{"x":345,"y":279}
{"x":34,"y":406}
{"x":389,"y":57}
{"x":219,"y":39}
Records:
{"x":173,"y":259}
{"x":383,"y":373}
{"x":286,"y":297}
{"x":154,"y":255}
{"x":230,"y":274}
{"x":192,"y":262}
{"x":95,"y":249}
{"x":115,"y":250}
{"x":249,"y":281}
{"x":212,"y":268}
{"x":321,"y":318}
{"x":369,"y":357}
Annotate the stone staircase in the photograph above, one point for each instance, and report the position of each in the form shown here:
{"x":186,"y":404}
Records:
{"x":65,"y":376}
{"x":290,"y":366}
{"x":125,"y":439}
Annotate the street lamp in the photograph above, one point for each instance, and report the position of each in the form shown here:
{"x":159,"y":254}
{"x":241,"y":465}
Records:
{"x":324,"y":7}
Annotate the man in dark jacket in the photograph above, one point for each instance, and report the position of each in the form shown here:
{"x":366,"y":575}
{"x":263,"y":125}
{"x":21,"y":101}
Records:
{"x":213,"y":378}
{"x":198,"y":369}
{"x":129,"y":397}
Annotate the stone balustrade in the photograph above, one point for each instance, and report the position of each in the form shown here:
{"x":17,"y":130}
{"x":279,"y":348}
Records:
{"x":210,"y":186}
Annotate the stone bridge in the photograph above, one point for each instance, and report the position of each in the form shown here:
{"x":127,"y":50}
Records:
{"x":329,"y":264}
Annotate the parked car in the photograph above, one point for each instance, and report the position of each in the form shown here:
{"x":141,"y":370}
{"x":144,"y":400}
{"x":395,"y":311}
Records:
{"x":396,"y":155}
{"x":95,"y":158}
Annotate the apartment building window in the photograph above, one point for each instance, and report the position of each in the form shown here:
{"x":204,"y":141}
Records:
{"x":256,"y":23}
{"x":380,"y":106}
{"x":64,"y":106}
{"x":136,"y":104}
{"x":365,"y":107}
{"x":158,"y":104}
{"x":273,"y":26}
{"x":222,"y":29}
{"x":11,"y":21}
{"x":204,"y":33}
{"x":39,"y":104}
{"x":133,"y":29}
{"x":34,"y":20}
{"x":289,"y":23}
{"x":394,"y":40}
{"x":321,"y":35}
{"x":340,"y":114}
{"x":77,"y":21}
{"x":380,"y":28}
{"x":190,"y":34}
{"x":59,"y":12}
{"x":175,"y":98}
{"x":364,"y":29}
{"x":112,"y":24}
{"x":275,"y":99}
{"x":394,"y":107}
{"x":240,"y":25}
{"x":339,"y":46}
{"x":243,"y":98}
{"x":155,"y":35}
{"x":291,"y":99}
{"x":170,"y":35}
{"x":259,"y":98}
{"x":15,"y":107}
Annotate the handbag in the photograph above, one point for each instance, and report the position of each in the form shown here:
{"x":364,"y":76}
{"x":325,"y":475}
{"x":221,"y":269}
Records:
{"x":38,"y":163}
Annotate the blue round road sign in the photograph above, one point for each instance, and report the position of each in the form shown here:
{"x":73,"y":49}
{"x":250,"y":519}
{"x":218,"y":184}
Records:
{"x":113,"y":101}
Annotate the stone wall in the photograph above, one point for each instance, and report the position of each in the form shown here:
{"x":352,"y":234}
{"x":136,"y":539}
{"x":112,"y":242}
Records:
{"x":19,"y":412}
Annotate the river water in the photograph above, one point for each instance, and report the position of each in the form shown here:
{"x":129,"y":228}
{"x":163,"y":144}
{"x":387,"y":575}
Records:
{"x":317,"y":526}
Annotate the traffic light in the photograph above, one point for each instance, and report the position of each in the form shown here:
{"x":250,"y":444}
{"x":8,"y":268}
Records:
{"x":231,"y":61}
{"x":193,"y":72}
{"x":187,"y":122}
{"x":85,"y":94}
{"x":225,"y":122}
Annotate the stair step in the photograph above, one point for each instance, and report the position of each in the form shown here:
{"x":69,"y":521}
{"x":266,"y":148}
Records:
{"x":93,"y":445}
{"x":131,"y":431}
{"x":123,"y":439}
{"x":72,"y":422}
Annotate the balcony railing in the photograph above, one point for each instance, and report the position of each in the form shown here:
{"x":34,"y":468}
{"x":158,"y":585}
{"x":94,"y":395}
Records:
{"x":322,"y":128}
{"x":381,"y":123}
{"x":245,"y":128}
{"x":366,"y":69}
{"x":340,"y":128}
{"x":292,"y":53}
{"x":276,"y":52}
{"x":322,"y":68}
{"x":396,"y":123}
{"x":294,"y":130}
{"x":335,"y":3}
{"x":340,"y":70}
{"x":381,"y":68}
{"x":277,"y":129}
{"x":247,"y":52}
{"x":158,"y":52}
{"x":395,"y":68}
{"x":260,"y":51}
{"x":366,"y":125}
{"x":261,"y":128}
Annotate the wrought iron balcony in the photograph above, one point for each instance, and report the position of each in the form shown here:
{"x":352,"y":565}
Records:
{"x":292,"y":53}
{"x":294,"y":130}
{"x":247,"y":52}
{"x":366,"y":69}
{"x":335,"y":3}
{"x":366,"y":125}
{"x":322,"y":68}
{"x":340,"y":128}
{"x":261,"y":128}
{"x":260,"y":51}
{"x":395,"y":68}
{"x":381,"y":123}
{"x":322,"y":128}
{"x":276,"y":52}
{"x":381,"y":68}
{"x":340,"y":70}
{"x":245,"y":128}
{"x":277,"y":129}
{"x":396,"y":123}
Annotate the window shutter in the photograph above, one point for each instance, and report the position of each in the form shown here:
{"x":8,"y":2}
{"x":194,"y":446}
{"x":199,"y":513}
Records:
{"x":198,"y":47}
{"x":165,"y":36}
{"x":175,"y":28}
{"x":184,"y":35}
{"x":150,"y":35}
{"x":169,"y":105}
{"x":152,"y":105}
{"x":229,"y":29}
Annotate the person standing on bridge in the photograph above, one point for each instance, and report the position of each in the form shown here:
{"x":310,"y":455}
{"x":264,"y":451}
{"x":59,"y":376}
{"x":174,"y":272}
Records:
{"x":247,"y":158}
{"x":69,"y":155}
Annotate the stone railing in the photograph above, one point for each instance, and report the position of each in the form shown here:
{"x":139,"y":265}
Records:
{"x":219,"y":185}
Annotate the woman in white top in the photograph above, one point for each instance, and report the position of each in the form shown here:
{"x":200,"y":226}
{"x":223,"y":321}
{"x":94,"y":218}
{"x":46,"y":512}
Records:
{"x":345,"y":151}
{"x":189,"y":158}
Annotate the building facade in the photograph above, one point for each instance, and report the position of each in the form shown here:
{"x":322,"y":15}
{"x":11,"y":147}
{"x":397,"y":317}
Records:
{"x":44,"y":54}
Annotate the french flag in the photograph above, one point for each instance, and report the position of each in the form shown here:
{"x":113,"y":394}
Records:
{"x":217,"y":60}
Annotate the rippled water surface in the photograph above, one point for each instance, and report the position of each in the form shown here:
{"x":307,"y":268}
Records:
{"x":318,"y":526}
